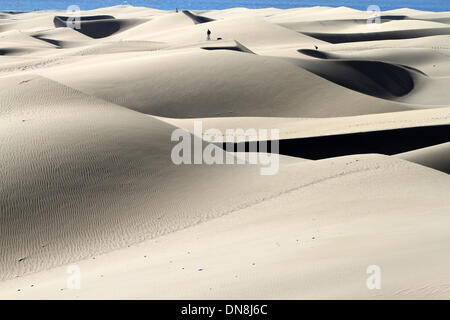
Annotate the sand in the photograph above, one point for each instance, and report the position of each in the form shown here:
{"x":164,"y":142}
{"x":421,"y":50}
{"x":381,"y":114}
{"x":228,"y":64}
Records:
{"x":87,"y":180}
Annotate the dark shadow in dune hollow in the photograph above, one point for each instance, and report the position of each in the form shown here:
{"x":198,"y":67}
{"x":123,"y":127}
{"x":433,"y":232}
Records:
{"x":388,"y":142}
{"x":13,"y":12}
{"x":5,"y":52}
{"x":93,"y":26}
{"x":316,"y":53}
{"x":375,"y":78}
{"x":326,"y":55}
{"x":197,"y":19}
{"x":54,"y":42}
{"x":376,"y":36}
{"x":238,"y":47}
{"x":222,"y":48}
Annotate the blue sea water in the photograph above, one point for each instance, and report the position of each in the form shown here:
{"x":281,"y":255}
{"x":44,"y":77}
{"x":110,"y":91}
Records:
{"x":30,"y":5}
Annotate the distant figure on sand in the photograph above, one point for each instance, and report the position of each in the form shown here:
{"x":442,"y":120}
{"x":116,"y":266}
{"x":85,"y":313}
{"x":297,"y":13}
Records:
{"x":176,"y":10}
{"x":208,"y":35}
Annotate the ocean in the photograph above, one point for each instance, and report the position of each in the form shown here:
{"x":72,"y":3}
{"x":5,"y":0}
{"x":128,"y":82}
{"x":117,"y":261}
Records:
{"x":31,"y":5}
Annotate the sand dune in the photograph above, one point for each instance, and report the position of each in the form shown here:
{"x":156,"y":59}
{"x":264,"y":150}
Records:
{"x":265,"y":82}
{"x":156,"y":25}
{"x":86,"y":118}
{"x":436,"y":157}
{"x":354,"y":30}
{"x":103,"y":164}
{"x":291,"y":128}
{"x":294,"y":235}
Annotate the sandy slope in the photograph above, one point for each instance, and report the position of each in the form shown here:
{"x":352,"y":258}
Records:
{"x":298,"y":244}
{"x":436,"y":157}
{"x":86,"y":177}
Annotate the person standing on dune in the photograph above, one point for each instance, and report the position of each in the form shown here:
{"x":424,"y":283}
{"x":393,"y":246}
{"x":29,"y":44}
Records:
{"x":208,"y":35}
